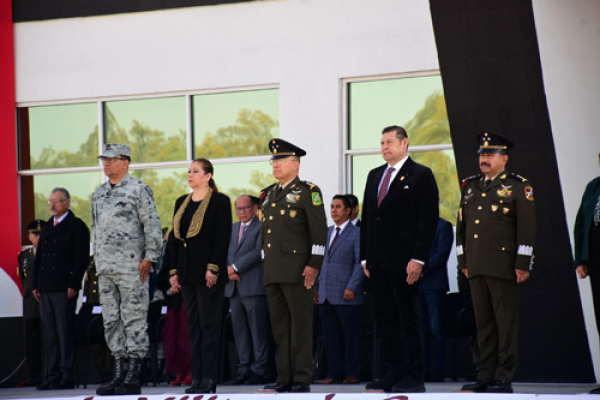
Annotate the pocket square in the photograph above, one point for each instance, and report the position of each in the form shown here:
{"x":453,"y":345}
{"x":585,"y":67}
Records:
{"x":406,"y":187}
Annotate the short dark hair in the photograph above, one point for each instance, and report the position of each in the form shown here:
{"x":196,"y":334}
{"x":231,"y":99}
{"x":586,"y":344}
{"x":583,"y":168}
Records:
{"x":344,"y":198}
{"x":126,"y":158}
{"x":400,"y":131}
{"x":353,"y":200}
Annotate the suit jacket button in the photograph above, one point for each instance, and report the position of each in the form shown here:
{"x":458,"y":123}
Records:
{"x":269,"y":245}
{"x":476,"y":236}
{"x":271,"y":217}
{"x":483,"y":194}
{"x":477,"y":221}
{"x":378,"y":219}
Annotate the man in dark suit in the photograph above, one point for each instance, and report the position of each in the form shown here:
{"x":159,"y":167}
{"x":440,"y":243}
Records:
{"x":495,"y":234}
{"x":294,"y":231}
{"x":31,"y":307}
{"x":432,"y":292}
{"x":61,"y":260}
{"x":247,"y":295}
{"x":340,"y":296}
{"x":400,"y":214}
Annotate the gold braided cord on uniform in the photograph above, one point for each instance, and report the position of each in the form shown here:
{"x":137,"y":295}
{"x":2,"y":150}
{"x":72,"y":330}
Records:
{"x":197,"y":218}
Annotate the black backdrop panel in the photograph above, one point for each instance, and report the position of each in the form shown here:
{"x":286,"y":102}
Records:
{"x":492,"y":76}
{"x":36,"y":10}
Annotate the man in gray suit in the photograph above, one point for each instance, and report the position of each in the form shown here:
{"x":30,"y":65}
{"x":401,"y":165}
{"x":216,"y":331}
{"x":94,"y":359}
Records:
{"x":247,"y":295}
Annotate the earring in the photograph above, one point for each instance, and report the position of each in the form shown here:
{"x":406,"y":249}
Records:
{"x":206,"y":183}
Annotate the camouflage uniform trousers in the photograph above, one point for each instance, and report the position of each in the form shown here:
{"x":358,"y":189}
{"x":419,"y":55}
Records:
{"x":125,"y":301}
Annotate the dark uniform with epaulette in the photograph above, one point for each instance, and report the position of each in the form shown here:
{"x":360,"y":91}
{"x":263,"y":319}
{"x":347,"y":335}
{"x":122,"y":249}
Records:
{"x":495,"y":234}
{"x":31,"y":310}
{"x":294,"y":234}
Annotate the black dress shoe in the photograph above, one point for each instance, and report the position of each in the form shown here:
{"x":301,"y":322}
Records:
{"x":44,"y":386}
{"x":595,"y":390}
{"x":479,"y":386}
{"x":408,"y":384}
{"x":238,"y":380}
{"x":62,"y":385}
{"x":255,"y":379}
{"x":299,"y":387}
{"x":499,"y":387}
{"x":279,"y":387}
{"x":384,"y":383}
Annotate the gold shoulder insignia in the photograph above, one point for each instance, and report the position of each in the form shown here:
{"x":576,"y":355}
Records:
{"x":519,"y":177}
{"x":309,"y":184}
{"x":470,"y":178}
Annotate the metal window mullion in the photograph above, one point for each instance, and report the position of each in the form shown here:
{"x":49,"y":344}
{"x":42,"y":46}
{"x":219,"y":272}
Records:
{"x":189,"y":127}
{"x":101,"y":136}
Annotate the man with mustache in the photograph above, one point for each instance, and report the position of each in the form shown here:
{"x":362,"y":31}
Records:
{"x":495,"y":234}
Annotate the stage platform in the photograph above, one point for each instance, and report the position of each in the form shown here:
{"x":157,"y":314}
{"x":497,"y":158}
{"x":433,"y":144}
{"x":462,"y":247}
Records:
{"x":435,"y":391}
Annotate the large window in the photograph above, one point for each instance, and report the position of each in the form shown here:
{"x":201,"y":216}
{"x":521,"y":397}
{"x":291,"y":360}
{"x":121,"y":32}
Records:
{"x":416,"y":103}
{"x":59,"y":145}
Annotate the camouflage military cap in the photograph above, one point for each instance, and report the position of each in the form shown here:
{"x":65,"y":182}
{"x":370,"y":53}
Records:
{"x":115,"y":149}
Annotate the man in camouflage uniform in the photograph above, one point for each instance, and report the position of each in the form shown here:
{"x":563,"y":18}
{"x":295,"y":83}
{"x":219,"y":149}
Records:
{"x":294,"y":233}
{"x":126,"y":235}
{"x":495,"y":234}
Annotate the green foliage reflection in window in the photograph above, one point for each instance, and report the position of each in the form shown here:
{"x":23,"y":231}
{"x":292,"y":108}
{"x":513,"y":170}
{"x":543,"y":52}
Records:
{"x":236,"y":124}
{"x":154,"y":128}
{"x":416,"y":103}
{"x":63,"y":136}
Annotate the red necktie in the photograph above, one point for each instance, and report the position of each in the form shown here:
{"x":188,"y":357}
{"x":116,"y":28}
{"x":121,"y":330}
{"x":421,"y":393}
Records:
{"x":55,"y":223}
{"x":384,"y":186}
{"x":337,"y":233}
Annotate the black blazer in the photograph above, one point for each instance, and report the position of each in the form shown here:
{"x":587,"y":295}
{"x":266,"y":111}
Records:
{"x":403,"y":228}
{"x":62,"y":255}
{"x":209,"y":246}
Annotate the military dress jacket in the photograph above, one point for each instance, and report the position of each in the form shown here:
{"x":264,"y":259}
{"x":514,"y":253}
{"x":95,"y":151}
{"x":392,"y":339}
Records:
{"x":31,"y":307}
{"x":62,"y":255}
{"x":125,"y":226}
{"x":294,"y":231}
{"x":584,"y":220}
{"x":496,"y":226}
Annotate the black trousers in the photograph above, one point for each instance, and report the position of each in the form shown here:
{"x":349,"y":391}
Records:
{"x":204,"y":309}
{"x":398,"y":323}
{"x":291,"y":312}
{"x":33,"y":348}
{"x":58,"y":315}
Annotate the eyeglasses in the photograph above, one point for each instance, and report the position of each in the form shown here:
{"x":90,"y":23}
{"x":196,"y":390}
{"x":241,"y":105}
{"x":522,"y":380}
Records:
{"x":111,"y":159}
{"x":240,"y":209}
{"x":55,"y":201}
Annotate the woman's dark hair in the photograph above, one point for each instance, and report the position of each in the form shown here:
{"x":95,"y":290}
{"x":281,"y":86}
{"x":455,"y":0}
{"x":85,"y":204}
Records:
{"x":208,"y":169}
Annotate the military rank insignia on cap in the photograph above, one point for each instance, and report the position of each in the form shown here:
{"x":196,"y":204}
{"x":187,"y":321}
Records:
{"x":36,"y":226}
{"x":281,"y":149}
{"x":491,"y":142}
{"x":113,"y":150}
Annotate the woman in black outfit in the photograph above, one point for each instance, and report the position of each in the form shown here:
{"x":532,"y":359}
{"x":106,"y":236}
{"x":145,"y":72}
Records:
{"x":197,"y":257}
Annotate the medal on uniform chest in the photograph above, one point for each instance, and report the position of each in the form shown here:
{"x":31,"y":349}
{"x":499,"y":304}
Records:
{"x":292,"y":213}
{"x":292,"y":198}
{"x":494,"y":207}
{"x":505,"y":210}
{"x":504,"y":192}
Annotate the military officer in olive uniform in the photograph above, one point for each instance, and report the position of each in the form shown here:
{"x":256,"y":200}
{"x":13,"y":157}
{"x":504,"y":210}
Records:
{"x":31,"y":307}
{"x":495,"y":234}
{"x":294,"y":233}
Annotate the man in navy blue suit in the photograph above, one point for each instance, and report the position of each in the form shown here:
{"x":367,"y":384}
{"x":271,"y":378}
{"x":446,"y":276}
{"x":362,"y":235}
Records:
{"x":247,"y":295}
{"x":432,"y":292}
{"x":340,"y":295}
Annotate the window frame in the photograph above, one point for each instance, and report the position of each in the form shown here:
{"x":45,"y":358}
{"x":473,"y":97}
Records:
{"x":348,"y":154}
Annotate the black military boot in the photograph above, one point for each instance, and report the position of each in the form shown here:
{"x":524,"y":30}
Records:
{"x":117,"y":380}
{"x":131,"y":384}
